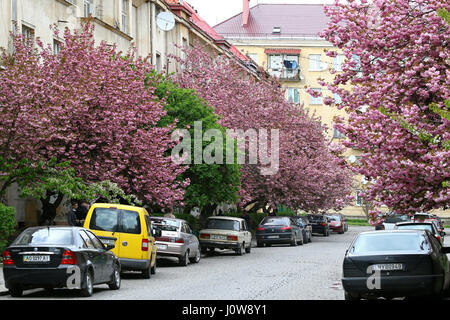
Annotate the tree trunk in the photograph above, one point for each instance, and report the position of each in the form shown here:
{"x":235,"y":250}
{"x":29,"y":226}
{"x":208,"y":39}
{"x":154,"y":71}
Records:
{"x":49,"y":209}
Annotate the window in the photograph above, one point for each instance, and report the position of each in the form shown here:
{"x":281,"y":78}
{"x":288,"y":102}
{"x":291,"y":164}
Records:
{"x":359,"y":199}
{"x":87,"y":8}
{"x":337,"y":134}
{"x":44,"y":236}
{"x":337,"y":98}
{"x":87,"y":241}
{"x":292,"y":95}
{"x":125,"y":16}
{"x":95,"y":241}
{"x":131,"y":222}
{"x":27,"y":33}
{"x":315,"y":63}
{"x":253,"y":56}
{"x":276,"y":30}
{"x":338,"y":61}
{"x":56,"y":46}
{"x":283,"y":66}
{"x":357,"y":68}
{"x":314,"y":100}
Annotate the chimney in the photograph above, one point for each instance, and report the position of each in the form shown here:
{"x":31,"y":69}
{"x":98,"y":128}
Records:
{"x":245,"y":12}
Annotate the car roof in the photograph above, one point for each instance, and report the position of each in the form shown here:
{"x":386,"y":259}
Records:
{"x":413,"y":223}
{"x":167,"y":218}
{"x":226,"y":218}
{"x":118,"y":206}
{"x":393,"y":231}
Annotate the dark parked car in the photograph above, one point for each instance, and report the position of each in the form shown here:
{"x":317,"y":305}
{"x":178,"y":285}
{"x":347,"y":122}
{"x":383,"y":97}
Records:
{"x":395,"y":263}
{"x":59,"y":257}
{"x":305,"y":226}
{"x":278,"y":230}
{"x":430,"y":226}
{"x":319,"y":224}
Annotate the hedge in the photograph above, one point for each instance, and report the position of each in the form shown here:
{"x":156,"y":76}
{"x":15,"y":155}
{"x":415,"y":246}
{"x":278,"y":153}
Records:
{"x":7,"y":225}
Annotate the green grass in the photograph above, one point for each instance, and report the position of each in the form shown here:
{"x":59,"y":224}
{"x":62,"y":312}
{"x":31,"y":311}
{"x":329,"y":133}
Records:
{"x":358,"y":222}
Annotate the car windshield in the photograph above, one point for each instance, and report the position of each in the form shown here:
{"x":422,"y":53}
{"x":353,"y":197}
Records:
{"x":316,"y":218}
{"x":276,"y":221}
{"x":334,"y":218}
{"x":167,"y":224}
{"x":428,"y":227}
{"x":107,"y":219}
{"x":396,"y":219}
{"x":223,"y":224}
{"x":388,"y":242}
{"x":45,"y":236}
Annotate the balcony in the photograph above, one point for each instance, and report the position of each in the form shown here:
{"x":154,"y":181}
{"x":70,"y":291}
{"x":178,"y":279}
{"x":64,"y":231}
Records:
{"x":285,"y":74}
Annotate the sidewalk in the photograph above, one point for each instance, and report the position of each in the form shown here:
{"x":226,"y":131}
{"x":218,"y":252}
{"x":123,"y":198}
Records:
{"x":3,"y":290}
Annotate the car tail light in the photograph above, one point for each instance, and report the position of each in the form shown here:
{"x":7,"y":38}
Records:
{"x":286,"y":228}
{"x":68,"y":257}
{"x":178,"y":240}
{"x":323,"y":224}
{"x":163,"y":239}
{"x":260,"y":229}
{"x":232,"y":238}
{"x":204,"y":236}
{"x":7,"y":259}
{"x":144,"y":245}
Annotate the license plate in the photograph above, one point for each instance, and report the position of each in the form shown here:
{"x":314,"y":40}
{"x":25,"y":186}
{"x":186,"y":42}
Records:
{"x":218,"y":237}
{"x":36,"y":258}
{"x":273,"y":237}
{"x":161,"y":246}
{"x":388,"y":267}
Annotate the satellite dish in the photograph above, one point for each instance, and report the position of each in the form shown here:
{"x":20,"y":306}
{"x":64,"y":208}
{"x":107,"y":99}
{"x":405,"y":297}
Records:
{"x":165,"y":21}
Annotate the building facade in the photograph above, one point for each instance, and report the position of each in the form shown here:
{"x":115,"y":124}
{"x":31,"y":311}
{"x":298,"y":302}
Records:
{"x":123,"y":23}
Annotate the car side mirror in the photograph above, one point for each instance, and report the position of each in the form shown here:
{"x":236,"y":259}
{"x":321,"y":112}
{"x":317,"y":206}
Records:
{"x":109,"y":247}
{"x":443,"y":233}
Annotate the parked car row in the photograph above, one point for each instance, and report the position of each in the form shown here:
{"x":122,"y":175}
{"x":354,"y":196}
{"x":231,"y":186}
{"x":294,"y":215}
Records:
{"x":117,"y":238}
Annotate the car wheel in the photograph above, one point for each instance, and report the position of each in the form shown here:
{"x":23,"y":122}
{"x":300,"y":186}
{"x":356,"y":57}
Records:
{"x":249,"y":249}
{"x":197,"y":257}
{"x":147,"y":272}
{"x":88,"y":288}
{"x":293,"y":241}
{"x":153,"y":269}
{"x":184,"y":260}
{"x":115,"y":281}
{"x":16,"y":291}
{"x":241,"y":250}
{"x":350,"y":296}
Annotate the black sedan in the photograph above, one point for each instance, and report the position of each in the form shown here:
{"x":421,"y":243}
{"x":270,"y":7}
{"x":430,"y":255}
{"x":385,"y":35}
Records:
{"x":278,"y":230}
{"x":59,"y":257}
{"x":396,"y":263}
{"x":305,"y":227}
{"x":319,"y":224}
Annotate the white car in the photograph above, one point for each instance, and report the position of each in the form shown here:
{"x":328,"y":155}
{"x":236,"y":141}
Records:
{"x":224,"y":232}
{"x":391,"y":220}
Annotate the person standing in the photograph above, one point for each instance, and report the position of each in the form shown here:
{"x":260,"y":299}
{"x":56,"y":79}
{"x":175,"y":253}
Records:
{"x":82,"y":211}
{"x":72,"y":219}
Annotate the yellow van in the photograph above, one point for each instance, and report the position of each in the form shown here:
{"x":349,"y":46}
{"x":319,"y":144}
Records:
{"x":130,"y":230}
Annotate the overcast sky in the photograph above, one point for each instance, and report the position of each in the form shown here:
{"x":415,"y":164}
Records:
{"x":216,"y":11}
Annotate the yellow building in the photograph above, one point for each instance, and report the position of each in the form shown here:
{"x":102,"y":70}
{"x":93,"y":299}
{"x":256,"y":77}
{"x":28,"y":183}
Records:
{"x":284,"y":39}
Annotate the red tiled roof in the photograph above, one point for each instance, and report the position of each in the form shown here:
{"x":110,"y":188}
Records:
{"x":293,"y":19}
{"x":285,"y":51}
